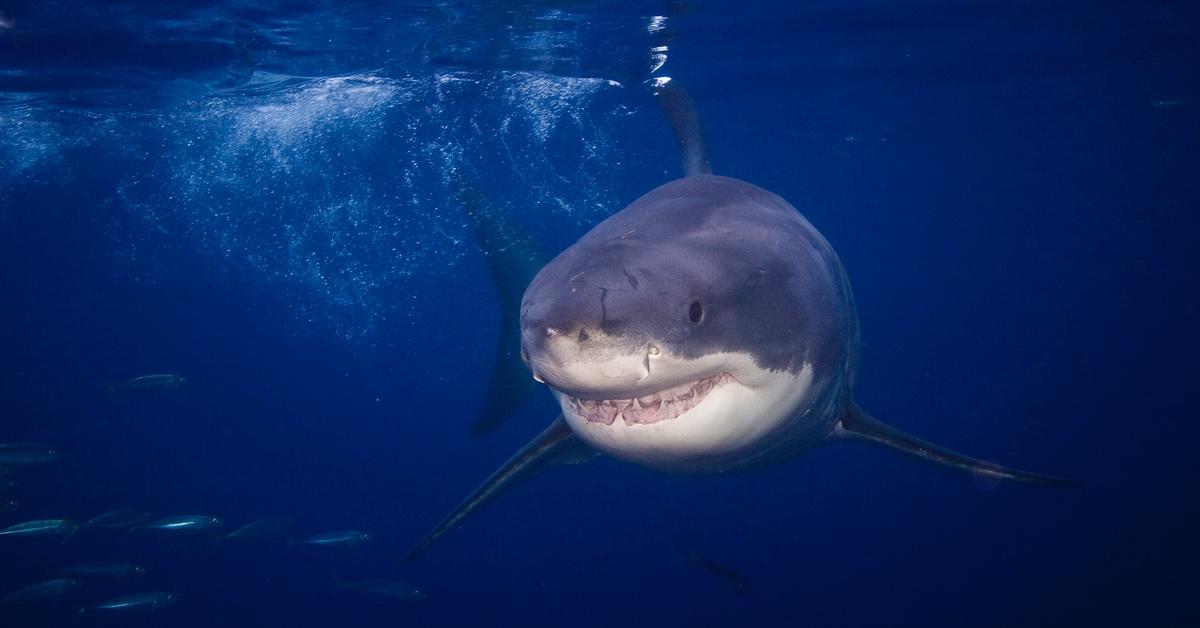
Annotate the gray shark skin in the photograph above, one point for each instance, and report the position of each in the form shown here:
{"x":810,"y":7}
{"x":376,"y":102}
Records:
{"x":771,"y":288}
{"x":707,"y":327}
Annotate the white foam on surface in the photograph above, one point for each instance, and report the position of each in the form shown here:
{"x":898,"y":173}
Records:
{"x":332,"y":194}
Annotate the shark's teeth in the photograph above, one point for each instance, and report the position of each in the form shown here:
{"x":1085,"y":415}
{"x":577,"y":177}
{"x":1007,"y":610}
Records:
{"x":650,"y":402}
{"x":660,"y":406}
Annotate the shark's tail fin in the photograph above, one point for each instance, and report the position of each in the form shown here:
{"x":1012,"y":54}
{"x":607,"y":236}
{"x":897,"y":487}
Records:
{"x":513,"y":258}
{"x":856,"y":423}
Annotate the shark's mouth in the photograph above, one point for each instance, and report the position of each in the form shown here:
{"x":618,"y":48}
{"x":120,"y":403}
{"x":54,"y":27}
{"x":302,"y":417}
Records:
{"x":663,"y":405}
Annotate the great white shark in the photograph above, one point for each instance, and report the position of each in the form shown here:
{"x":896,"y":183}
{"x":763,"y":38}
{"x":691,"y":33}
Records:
{"x":707,"y":327}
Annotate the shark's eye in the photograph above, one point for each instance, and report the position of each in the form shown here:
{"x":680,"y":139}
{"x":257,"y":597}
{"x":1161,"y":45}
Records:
{"x":695,"y":313}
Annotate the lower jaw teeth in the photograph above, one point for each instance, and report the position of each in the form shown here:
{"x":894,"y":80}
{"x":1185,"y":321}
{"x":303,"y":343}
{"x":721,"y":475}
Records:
{"x":648,"y":408}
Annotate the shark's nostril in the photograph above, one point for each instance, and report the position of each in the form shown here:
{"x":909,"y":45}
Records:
{"x":583,"y":335}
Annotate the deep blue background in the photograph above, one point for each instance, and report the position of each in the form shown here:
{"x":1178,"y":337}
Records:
{"x":1011,"y":185}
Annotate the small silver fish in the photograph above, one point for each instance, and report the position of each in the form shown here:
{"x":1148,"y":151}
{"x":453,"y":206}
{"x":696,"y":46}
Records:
{"x":7,"y":484}
{"x":339,"y":538}
{"x":158,"y":381}
{"x":261,"y":527}
{"x":139,"y":602}
{"x":387,"y":588}
{"x":102,"y":570}
{"x":7,"y":504}
{"x":23,"y":454}
{"x":42,"y":527}
{"x":185,"y":523}
{"x":41,"y":591}
{"x":123,"y":518}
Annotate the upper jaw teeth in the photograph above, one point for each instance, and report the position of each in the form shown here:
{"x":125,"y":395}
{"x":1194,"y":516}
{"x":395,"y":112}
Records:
{"x":651,"y":408}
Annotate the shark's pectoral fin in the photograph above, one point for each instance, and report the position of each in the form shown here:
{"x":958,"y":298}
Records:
{"x":556,"y":445}
{"x":856,"y":423}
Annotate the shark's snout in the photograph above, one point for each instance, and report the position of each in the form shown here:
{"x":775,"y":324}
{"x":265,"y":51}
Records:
{"x":575,"y":331}
{"x":575,"y":308}
{"x":586,"y":361}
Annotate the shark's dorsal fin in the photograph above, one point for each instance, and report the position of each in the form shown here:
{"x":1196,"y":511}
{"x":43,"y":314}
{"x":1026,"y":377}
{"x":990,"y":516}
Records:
{"x":856,"y":423}
{"x":513,"y":258}
{"x":556,"y":445}
{"x":685,"y":122}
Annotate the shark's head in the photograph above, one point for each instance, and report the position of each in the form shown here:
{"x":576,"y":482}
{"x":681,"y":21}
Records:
{"x":689,"y":329}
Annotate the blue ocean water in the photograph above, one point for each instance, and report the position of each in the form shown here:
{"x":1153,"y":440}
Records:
{"x":259,"y":196}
